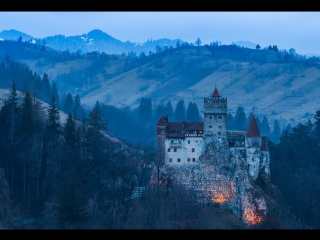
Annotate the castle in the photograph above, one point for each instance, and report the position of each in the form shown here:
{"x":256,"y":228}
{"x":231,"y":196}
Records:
{"x":182,"y":143}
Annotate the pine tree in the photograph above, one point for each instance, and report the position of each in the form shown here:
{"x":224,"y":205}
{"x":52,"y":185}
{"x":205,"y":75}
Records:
{"x":5,"y":142}
{"x":71,"y":144}
{"x":248,"y":120}
{"x":265,"y":130}
{"x":198,"y":42}
{"x":193,"y":113}
{"x":71,"y":209}
{"x":37,"y":88}
{"x":68,"y":104}
{"x":5,"y":201}
{"x":160,"y":111}
{"x":53,"y":125}
{"x":13,"y":128}
{"x":145,"y":109}
{"x":26,"y":143}
{"x":259,"y":124}
{"x":95,"y":130}
{"x":46,"y":90}
{"x":169,"y":111}
{"x":240,"y":119}
{"x":317,"y":123}
{"x":230,"y":120}
{"x":78,"y":110}
{"x":26,"y":117}
{"x":54,"y":91}
{"x":275,"y":136}
{"x":51,"y":150}
{"x":189,"y":114}
{"x":180,"y":111}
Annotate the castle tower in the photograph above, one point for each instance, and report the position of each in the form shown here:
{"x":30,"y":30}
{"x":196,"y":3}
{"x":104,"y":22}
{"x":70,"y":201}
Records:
{"x":253,"y":138}
{"x":215,"y":116}
{"x":253,"y":147}
{"x":161,"y":137}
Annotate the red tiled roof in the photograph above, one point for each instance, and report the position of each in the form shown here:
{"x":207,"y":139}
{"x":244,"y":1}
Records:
{"x":215,"y":93}
{"x":253,"y":130}
{"x":193,"y":126}
{"x":161,"y":122}
{"x":178,"y":126}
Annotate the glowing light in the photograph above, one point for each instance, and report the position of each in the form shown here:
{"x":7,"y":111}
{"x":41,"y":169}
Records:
{"x":219,"y":198}
{"x":223,"y":192}
{"x":251,"y":217}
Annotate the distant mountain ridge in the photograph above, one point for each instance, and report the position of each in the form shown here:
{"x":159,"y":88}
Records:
{"x":246,"y":44}
{"x":95,"y":40}
{"x":14,"y":35}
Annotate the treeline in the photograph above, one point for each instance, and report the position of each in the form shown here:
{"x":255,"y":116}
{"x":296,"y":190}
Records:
{"x":240,"y":122}
{"x":180,"y":113}
{"x":39,"y":87}
{"x":13,"y":71}
{"x":149,"y":114}
{"x":295,"y":169}
{"x":138,"y":126}
{"x":63,"y":174}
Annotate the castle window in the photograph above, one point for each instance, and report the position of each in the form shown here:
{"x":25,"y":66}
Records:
{"x":178,"y":159}
{"x":175,"y":150}
{"x":210,"y":126}
{"x":218,"y":133}
{"x":193,"y":159}
{"x":168,"y":149}
{"x":192,"y":149}
{"x":188,"y":159}
{"x":170,"y":159}
{"x":179,"y":141}
{"x":171,"y":141}
{"x":188,"y":141}
{"x":196,"y":141}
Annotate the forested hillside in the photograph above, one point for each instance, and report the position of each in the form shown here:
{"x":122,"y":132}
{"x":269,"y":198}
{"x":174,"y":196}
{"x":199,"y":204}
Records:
{"x":55,"y":160}
{"x":279,"y":84}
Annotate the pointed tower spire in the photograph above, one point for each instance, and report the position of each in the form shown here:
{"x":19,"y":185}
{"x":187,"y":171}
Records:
{"x":253,"y":130}
{"x":215,"y":93}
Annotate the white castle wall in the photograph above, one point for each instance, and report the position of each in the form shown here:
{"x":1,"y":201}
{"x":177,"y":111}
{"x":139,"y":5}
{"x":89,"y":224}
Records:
{"x":265,"y":164}
{"x":183,"y":150}
{"x":253,"y":160}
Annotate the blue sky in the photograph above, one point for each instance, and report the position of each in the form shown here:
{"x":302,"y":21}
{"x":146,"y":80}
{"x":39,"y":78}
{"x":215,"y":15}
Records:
{"x":298,"y":30}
